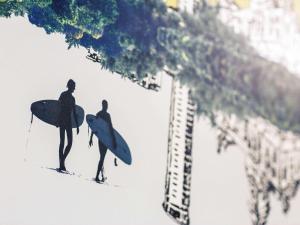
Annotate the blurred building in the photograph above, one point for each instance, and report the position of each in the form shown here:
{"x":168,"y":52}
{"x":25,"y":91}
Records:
{"x":270,"y":26}
{"x":180,"y":141}
{"x":272,"y":162}
{"x":272,"y":157}
{"x":179,"y":159}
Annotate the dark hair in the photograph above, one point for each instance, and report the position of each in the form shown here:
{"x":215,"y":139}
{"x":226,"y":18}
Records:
{"x":71,"y":83}
{"x":104,"y":102}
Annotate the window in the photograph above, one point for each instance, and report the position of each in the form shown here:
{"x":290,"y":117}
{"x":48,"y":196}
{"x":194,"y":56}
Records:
{"x":189,"y":129}
{"x":186,"y":188}
{"x":189,"y":136}
{"x":188,"y":159}
{"x":188,"y":149}
{"x":174,"y":213}
{"x":190,"y":115}
{"x":190,"y":121}
{"x":185,"y":201}
{"x":187,"y":168}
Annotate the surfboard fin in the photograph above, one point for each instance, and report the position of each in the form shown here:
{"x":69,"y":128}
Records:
{"x":31,"y":118}
{"x":115,"y":161}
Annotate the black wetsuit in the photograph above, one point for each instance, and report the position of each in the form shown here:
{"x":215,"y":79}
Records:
{"x":102,"y":148}
{"x":67,"y":102}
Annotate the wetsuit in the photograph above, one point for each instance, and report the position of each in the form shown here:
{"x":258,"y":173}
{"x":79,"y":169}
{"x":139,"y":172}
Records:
{"x":67,"y":102}
{"x":102,"y":148}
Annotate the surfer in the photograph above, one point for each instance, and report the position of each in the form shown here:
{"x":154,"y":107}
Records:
{"x":67,"y":102}
{"x":103,"y":114}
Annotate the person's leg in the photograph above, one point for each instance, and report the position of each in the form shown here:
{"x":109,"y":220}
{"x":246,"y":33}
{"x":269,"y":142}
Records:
{"x":102,"y":150}
{"x":69,"y":145}
{"x":61,"y":147}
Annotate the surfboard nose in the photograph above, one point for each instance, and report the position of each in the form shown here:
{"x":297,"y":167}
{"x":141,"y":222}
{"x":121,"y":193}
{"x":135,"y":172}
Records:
{"x":33,"y":107}
{"x":39,"y":105}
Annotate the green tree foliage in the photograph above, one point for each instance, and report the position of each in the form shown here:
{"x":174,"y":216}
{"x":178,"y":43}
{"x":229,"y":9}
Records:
{"x":140,"y":37}
{"x":7,"y":8}
{"x":231,"y":77}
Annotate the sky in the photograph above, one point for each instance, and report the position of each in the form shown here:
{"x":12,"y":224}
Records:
{"x":36,"y":66}
{"x":247,"y":3}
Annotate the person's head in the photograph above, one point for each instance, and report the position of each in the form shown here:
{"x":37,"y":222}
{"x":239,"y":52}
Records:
{"x":104,"y":105}
{"x":71,"y":85}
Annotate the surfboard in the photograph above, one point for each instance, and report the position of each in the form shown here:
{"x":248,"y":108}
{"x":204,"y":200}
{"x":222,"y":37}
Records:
{"x":48,"y":111}
{"x":101,"y":129}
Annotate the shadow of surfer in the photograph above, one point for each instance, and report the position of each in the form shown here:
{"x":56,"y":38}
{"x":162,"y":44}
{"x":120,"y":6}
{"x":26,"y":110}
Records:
{"x":103,"y":114}
{"x":67,"y":102}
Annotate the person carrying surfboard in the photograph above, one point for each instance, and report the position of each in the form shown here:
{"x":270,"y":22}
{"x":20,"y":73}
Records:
{"x":67,"y":102}
{"x":103,"y":114}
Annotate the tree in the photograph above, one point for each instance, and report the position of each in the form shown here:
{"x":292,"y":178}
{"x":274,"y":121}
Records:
{"x":140,"y":37}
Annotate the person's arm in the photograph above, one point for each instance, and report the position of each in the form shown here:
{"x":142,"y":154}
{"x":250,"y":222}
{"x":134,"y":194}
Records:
{"x":92,"y":134}
{"x":59,"y":103}
{"x":112,"y":132}
{"x":75,"y":116}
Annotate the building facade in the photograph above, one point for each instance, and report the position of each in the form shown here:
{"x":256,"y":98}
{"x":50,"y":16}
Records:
{"x":272,"y":157}
{"x":272,"y":162}
{"x":179,"y":159}
{"x":180,"y":142}
{"x":270,"y":26}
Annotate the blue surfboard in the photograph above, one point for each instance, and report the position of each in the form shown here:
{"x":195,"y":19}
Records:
{"x":101,"y":129}
{"x":48,"y":111}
